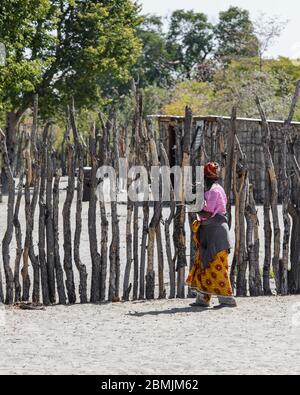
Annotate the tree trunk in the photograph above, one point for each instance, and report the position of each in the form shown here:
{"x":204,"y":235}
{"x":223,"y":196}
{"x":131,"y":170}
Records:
{"x":180,"y":217}
{"x":42,"y":219}
{"x":146,"y":216}
{"x":57,"y":262}
{"x":160,"y":253}
{"x":286,"y":185}
{"x":79,"y":160}
{"x":171,"y":262}
{"x":114,"y":253}
{"x":96,"y":292}
{"x":32,"y":168}
{"x":229,"y":159}
{"x":1,"y":288}
{"x":253,"y":245}
{"x":154,"y":223}
{"x":135,"y":250}
{"x":19,"y":163}
{"x":29,"y":220}
{"x":271,"y":176}
{"x":144,"y":152}
{"x":49,"y":225}
{"x":104,"y":247}
{"x":240,"y":184}
{"x":294,"y":274}
{"x":12,"y":119}
{"x":68,"y":258}
{"x":133,"y":156}
{"x":9,"y":299}
{"x":104,"y":160}
{"x":34,"y":259}
{"x":18,"y":233}
{"x":127,"y":285}
{"x":241,"y":285}
{"x":268,"y":240}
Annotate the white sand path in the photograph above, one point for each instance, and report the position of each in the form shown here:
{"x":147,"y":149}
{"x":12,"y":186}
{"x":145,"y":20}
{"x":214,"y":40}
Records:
{"x":261,"y":336}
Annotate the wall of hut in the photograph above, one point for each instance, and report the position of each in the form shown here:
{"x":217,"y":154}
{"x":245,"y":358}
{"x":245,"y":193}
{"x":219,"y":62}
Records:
{"x":249,"y":131}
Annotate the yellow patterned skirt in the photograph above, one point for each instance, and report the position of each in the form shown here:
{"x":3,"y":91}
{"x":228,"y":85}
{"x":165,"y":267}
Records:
{"x":214,"y":280}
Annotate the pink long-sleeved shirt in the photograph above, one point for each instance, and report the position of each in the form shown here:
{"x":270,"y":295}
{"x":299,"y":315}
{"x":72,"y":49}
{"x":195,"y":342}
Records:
{"x":215,"y":201}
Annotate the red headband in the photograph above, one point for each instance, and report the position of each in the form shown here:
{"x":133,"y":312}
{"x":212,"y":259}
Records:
{"x":212,"y":171}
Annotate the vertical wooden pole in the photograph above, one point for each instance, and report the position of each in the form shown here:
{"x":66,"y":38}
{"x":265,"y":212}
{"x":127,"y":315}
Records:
{"x":114,"y":252}
{"x":180,"y":217}
{"x":273,"y":183}
{"x":168,"y":221}
{"x":31,"y":151}
{"x":154,"y":223}
{"x":78,"y":229}
{"x":29,"y":221}
{"x":28,"y":151}
{"x":229,"y":160}
{"x":127,"y":286}
{"x":49,"y":222}
{"x":137,"y":132}
{"x":104,"y":160}
{"x":95,"y":256}
{"x":67,"y":232}
{"x":144,"y":150}
{"x":9,"y":299}
{"x":57,"y":261}
{"x":293,"y":208}
{"x":253,"y":245}
{"x":132,"y":208}
{"x":159,"y":242}
{"x":240,"y":185}
{"x":18,"y":234}
{"x":42,"y":219}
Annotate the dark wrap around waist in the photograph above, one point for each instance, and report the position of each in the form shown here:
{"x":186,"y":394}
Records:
{"x":214,"y":237}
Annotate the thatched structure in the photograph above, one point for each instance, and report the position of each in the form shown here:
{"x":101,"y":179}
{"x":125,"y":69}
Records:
{"x":216,"y":131}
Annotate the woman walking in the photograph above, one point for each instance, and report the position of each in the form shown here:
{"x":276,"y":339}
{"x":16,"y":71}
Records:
{"x":210,"y":273}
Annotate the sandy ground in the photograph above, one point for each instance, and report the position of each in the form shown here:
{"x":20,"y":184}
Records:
{"x":168,"y":337}
{"x":261,"y":336}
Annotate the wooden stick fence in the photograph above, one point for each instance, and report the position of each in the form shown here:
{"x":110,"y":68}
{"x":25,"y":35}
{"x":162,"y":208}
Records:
{"x":151,"y":248}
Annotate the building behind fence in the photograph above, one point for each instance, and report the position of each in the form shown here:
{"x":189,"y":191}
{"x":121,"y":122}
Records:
{"x":249,"y":131}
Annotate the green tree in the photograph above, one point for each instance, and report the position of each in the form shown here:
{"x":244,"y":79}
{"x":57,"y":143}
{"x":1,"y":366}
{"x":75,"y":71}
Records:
{"x":59,"y":48}
{"x":235,"y":35}
{"x":286,"y":71}
{"x":153,"y":66}
{"x":190,"y":41}
{"x":238,"y":85}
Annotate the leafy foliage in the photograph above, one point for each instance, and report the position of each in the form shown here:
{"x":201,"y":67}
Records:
{"x":238,"y":85}
{"x":60,"y":48}
{"x":190,"y":41}
{"x":235,"y":35}
{"x":93,"y":49}
{"x":153,"y":66}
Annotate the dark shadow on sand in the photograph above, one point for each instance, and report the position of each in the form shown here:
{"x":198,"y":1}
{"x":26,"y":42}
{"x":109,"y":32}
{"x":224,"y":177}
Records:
{"x":175,"y":310}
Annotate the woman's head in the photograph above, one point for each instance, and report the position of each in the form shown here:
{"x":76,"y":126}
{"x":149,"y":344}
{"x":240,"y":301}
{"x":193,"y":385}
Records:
{"x":212,"y":172}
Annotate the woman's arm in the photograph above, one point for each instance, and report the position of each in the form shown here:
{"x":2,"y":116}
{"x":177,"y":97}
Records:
{"x":205,"y":214}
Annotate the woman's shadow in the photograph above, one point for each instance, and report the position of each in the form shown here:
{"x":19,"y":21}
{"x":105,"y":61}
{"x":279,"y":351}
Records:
{"x":175,"y":310}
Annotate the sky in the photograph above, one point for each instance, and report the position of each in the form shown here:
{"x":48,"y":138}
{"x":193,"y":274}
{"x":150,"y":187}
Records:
{"x":288,"y":10}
